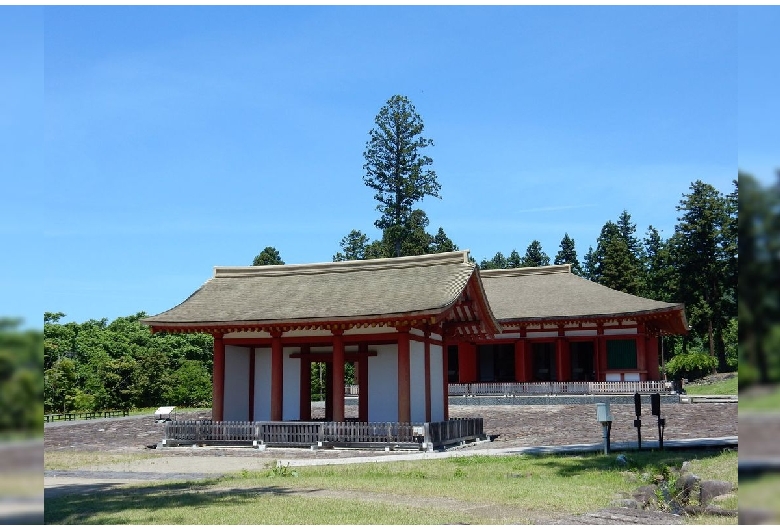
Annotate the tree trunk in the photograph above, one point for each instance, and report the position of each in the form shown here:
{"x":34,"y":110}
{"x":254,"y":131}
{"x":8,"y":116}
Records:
{"x":711,"y":336}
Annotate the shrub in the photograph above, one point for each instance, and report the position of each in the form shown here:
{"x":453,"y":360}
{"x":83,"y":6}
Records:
{"x":691,"y":365}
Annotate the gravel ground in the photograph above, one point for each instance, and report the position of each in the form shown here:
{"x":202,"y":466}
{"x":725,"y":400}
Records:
{"x":508,"y":426}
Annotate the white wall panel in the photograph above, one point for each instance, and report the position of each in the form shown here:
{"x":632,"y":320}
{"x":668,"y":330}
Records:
{"x":262,"y":384}
{"x":437,"y":382}
{"x":383,"y":384}
{"x":541,"y":334}
{"x":417,"y":380}
{"x":236,"y":401}
{"x":582,"y":333}
{"x":623,"y":331}
{"x":292,"y":387}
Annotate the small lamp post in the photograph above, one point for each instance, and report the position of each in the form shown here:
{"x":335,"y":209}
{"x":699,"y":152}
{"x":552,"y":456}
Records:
{"x":604,"y":417}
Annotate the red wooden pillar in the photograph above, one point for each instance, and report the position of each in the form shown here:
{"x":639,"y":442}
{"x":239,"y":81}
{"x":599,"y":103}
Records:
{"x":427,"y":375}
{"x":653,"y":368}
{"x":404,"y":377}
{"x":601,"y":351}
{"x":641,"y":351}
{"x":338,"y":374}
{"x":329,"y":391}
{"x":529,"y":361}
{"x":252,"y":383}
{"x":277,"y":376}
{"x":520,"y":365}
{"x":218,"y":383}
{"x":445,"y":368}
{"x":361,"y":375}
{"x":561,"y":360}
{"x":467,"y":362}
{"x":304,"y":397}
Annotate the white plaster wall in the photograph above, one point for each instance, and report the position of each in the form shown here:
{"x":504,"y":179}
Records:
{"x":291,"y":394}
{"x":582,"y":333}
{"x":437,"y":382}
{"x":620,"y":331}
{"x":382,"y":384}
{"x":508,"y":336}
{"x":236,"y":401}
{"x":262,"y":384}
{"x":417,"y":380}
{"x":540,"y":334}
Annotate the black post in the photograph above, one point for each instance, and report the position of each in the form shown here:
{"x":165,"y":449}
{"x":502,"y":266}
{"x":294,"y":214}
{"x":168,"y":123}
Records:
{"x":655,"y":406}
{"x":637,"y":421}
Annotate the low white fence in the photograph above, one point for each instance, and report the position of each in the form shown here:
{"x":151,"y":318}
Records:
{"x":547,"y":388}
{"x":556,"y":388}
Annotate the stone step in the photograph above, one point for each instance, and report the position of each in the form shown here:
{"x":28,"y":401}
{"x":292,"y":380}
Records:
{"x":708,"y":399}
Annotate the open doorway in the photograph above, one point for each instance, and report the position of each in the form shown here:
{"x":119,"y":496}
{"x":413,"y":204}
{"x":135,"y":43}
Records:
{"x":582,"y":361}
{"x":544,"y":367}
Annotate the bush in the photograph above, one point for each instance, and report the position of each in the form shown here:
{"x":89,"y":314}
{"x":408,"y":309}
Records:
{"x":691,"y":365}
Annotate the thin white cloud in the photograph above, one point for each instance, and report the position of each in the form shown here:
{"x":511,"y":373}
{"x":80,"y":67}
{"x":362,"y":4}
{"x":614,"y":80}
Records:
{"x":556,"y":208}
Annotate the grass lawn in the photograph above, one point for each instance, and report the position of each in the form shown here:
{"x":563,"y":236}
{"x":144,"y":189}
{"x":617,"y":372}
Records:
{"x":468,"y":489}
{"x":726,"y":387}
{"x":72,"y":460}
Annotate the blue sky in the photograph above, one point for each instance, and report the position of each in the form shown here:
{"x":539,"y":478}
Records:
{"x":146,"y":145}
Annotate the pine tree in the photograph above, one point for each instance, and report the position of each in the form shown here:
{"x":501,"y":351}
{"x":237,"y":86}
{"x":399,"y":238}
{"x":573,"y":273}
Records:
{"x":660,"y":277}
{"x":268,"y":256}
{"x":514,"y":261}
{"x":396,"y":169}
{"x":700,"y":251}
{"x":535,"y":256}
{"x":442,"y":243}
{"x":589,"y":265}
{"x":497,"y":262}
{"x":568,"y":254}
{"x":353,"y":246}
{"x":614,"y":264}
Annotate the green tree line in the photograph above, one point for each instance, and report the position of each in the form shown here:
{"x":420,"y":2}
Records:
{"x":98,"y":365}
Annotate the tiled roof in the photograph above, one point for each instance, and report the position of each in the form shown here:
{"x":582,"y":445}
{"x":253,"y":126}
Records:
{"x":340,"y":290}
{"x":554,"y":292}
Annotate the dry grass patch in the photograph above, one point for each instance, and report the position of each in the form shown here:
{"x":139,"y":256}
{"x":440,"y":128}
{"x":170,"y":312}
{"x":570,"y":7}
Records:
{"x":90,"y":461}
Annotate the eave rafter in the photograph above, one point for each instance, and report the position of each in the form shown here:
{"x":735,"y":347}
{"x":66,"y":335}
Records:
{"x":667,"y":322}
{"x":411,"y":321}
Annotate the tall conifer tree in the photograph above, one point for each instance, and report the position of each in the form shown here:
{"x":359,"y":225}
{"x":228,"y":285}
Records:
{"x":396,"y":169}
{"x":568,"y":254}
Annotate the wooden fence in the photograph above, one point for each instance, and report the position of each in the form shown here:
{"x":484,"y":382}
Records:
{"x":70,"y":416}
{"x":424,"y":436}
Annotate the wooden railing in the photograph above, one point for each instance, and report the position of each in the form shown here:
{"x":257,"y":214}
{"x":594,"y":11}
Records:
{"x":323,"y":434}
{"x":555,"y":388}
{"x":453,"y":430}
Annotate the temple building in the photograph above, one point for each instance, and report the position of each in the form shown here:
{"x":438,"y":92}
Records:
{"x":557,"y":326}
{"x":411,"y":325}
